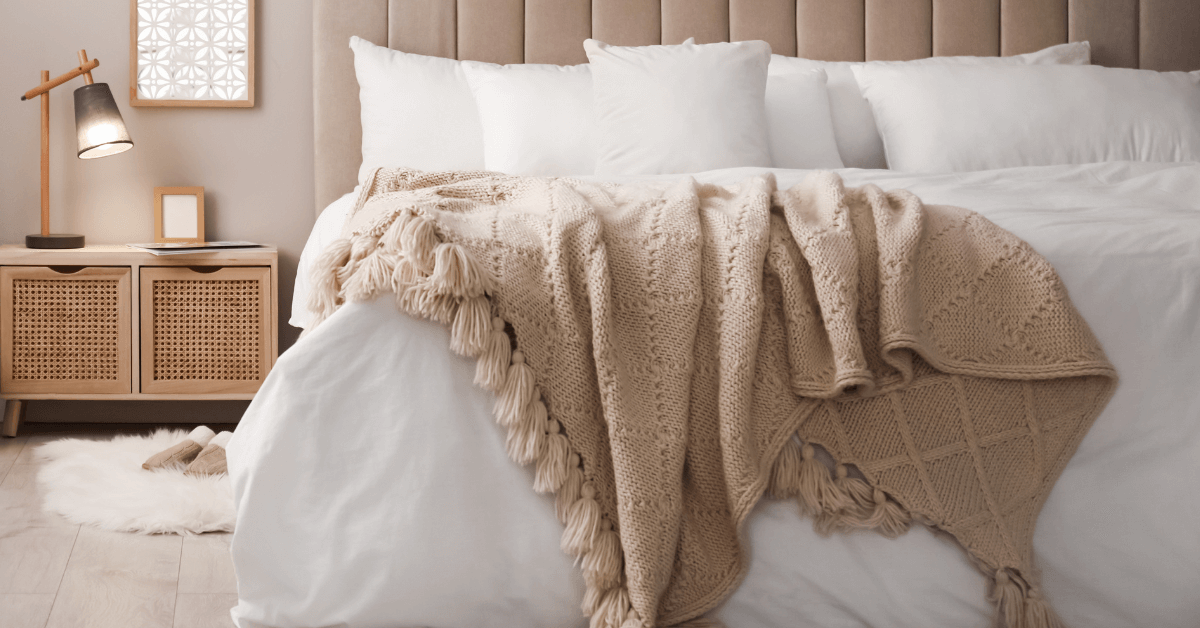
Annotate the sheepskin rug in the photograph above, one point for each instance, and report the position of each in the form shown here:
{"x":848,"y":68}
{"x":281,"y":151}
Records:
{"x":102,"y":483}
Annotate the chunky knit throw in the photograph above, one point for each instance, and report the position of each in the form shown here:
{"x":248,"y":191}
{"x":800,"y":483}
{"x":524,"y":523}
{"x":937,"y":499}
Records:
{"x":666,"y":354}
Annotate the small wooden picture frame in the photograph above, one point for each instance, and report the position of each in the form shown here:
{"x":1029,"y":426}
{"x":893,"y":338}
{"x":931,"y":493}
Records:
{"x":179,"y":214}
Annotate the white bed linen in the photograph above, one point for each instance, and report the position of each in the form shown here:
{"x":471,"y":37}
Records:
{"x":373,"y":489}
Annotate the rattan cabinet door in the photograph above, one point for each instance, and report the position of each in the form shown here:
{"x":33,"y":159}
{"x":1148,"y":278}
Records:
{"x":205,"y":330}
{"x":65,"y":330}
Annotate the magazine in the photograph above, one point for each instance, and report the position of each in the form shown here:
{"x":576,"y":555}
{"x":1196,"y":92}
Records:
{"x":182,"y":248}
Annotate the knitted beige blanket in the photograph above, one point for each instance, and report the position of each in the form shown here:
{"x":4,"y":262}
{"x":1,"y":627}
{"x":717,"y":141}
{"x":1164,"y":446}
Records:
{"x":665,"y":354}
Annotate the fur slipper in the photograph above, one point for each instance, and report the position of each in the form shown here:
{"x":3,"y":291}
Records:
{"x":182,"y":452}
{"x":211,"y":461}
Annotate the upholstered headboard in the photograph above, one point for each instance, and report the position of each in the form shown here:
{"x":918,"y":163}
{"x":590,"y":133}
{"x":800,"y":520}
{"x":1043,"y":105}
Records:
{"x":1150,"y":34}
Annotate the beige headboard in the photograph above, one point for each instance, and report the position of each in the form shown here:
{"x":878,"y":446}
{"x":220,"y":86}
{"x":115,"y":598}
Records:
{"x":1151,"y":34}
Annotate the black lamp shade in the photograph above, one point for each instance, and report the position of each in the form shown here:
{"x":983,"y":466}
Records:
{"x":98,"y":123}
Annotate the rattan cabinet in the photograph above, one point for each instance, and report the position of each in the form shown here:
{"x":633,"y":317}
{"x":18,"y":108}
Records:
{"x":111,"y":322}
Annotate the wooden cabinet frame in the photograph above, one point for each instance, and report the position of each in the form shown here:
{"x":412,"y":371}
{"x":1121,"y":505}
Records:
{"x":135,"y":267}
{"x":124,"y":340}
{"x":149,"y":384}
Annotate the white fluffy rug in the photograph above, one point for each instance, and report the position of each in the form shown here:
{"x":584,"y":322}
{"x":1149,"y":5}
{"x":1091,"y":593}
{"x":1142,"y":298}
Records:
{"x":102,"y":483}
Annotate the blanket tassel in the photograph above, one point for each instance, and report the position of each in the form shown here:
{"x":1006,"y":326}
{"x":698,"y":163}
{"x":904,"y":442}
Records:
{"x":552,"y":466}
{"x":472,"y":326}
{"x":1021,"y":605}
{"x":583,"y":522}
{"x":441,"y":281}
{"x":836,"y":502}
{"x":518,"y":391}
{"x":492,"y":367}
{"x":570,"y":490}
{"x":602,"y":564}
{"x":327,"y":287}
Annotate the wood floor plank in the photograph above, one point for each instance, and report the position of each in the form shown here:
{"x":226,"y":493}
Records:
{"x":204,"y":610}
{"x":206,"y":566}
{"x":21,"y":502}
{"x":34,"y":545}
{"x":34,"y":560}
{"x":25,"y":610}
{"x":10,"y":448}
{"x":32,"y":443}
{"x":118,"y":580}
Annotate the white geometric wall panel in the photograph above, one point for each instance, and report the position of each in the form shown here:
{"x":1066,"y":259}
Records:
{"x":196,"y":50}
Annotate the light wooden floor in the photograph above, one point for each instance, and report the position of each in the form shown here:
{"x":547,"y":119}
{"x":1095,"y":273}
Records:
{"x":54,"y":574}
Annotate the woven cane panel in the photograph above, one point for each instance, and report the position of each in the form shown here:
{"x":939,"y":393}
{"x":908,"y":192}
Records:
{"x":207,"y":329}
{"x":65,"y":329}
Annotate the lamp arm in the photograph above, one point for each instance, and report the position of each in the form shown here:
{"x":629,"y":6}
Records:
{"x":51,"y":84}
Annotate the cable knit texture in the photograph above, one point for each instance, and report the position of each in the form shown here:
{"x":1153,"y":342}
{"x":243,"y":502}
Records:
{"x":666,"y":354}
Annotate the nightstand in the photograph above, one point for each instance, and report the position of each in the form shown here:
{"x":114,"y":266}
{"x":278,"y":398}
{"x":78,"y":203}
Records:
{"x":111,"y":322}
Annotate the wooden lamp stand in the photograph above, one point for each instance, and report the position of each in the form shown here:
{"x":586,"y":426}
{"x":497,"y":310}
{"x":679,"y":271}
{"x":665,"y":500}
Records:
{"x":99,"y":110}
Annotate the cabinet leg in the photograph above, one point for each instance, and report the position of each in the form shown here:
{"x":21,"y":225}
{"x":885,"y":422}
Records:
{"x":12,"y":417}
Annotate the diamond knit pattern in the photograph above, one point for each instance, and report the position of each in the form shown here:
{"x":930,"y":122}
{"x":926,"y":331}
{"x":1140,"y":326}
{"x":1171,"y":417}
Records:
{"x":682,"y":334}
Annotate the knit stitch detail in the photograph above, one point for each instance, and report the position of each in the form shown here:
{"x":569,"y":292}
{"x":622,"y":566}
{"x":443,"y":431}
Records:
{"x":667,"y":354}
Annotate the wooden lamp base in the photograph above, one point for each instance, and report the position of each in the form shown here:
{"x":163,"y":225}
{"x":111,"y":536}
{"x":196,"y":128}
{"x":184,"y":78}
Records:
{"x":54,"y":241}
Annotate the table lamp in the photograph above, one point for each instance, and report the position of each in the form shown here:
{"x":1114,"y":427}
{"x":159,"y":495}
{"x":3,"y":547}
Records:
{"x":100,"y":132}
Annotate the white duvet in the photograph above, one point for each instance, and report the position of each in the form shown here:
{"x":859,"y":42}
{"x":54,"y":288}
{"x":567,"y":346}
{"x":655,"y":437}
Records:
{"x":373,"y":489}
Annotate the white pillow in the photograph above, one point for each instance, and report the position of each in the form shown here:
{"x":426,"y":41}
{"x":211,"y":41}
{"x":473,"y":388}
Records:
{"x":854,"y":126}
{"x":954,"y":118}
{"x":537,"y":119}
{"x":417,"y":111}
{"x":678,"y":109}
{"x":799,"y":128}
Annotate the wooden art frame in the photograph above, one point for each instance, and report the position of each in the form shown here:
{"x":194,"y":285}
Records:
{"x":159,"y":193}
{"x":219,"y":24}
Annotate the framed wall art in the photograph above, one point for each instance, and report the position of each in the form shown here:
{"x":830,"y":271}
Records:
{"x":191,"y":53}
{"x":179,"y":214}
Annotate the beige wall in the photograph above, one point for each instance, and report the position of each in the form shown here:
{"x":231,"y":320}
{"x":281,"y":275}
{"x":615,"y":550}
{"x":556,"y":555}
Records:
{"x":255,"y":164}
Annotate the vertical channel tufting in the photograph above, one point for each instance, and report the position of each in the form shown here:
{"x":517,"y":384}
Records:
{"x":899,"y":30}
{"x":555,"y":30}
{"x":337,"y":134}
{"x":830,"y":30}
{"x":1029,"y":25}
{"x":1111,"y":26}
{"x":491,"y":30}
{"x":627,"y":22}
{"x":966,"y":27}
{"x":773,"y":21}
{"x":1169,"y":35}
{"x":435,"y":34}
{"x":706,"y":20}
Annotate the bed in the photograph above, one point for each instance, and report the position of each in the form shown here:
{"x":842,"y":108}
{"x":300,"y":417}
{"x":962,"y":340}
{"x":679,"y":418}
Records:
{"x":363,"y":502}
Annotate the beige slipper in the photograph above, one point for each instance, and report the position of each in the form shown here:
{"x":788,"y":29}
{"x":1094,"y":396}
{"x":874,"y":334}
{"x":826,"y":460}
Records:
{"x":211,"y":461}
{"x":182,"y":452}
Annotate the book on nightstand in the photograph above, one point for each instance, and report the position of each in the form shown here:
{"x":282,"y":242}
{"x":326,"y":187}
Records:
{"x":181,"y":248}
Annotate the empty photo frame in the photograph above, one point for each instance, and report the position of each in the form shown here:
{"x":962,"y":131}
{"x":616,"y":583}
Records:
{"x":179,"y":214}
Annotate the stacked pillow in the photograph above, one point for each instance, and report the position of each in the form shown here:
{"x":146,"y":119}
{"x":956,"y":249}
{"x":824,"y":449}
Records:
{"x":542,"y":120}
{"x":689,"y":108}
{"x":854,"y":125}
{"x":952,"y":118}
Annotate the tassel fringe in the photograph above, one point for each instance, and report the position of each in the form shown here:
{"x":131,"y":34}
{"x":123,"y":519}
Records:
{"x":492,"y":367}
{"x":472,"y":326}
{"x":602,"y":565}
{"x":570,"y":490}
{"x":517,"y":393}
{"x":552,"y":466}
{"x":840,"y":502}
{"x":1019,"y":604}
{"x":374,"y":275}
{"x":613,"y":608}
{"x":442,"y":281}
